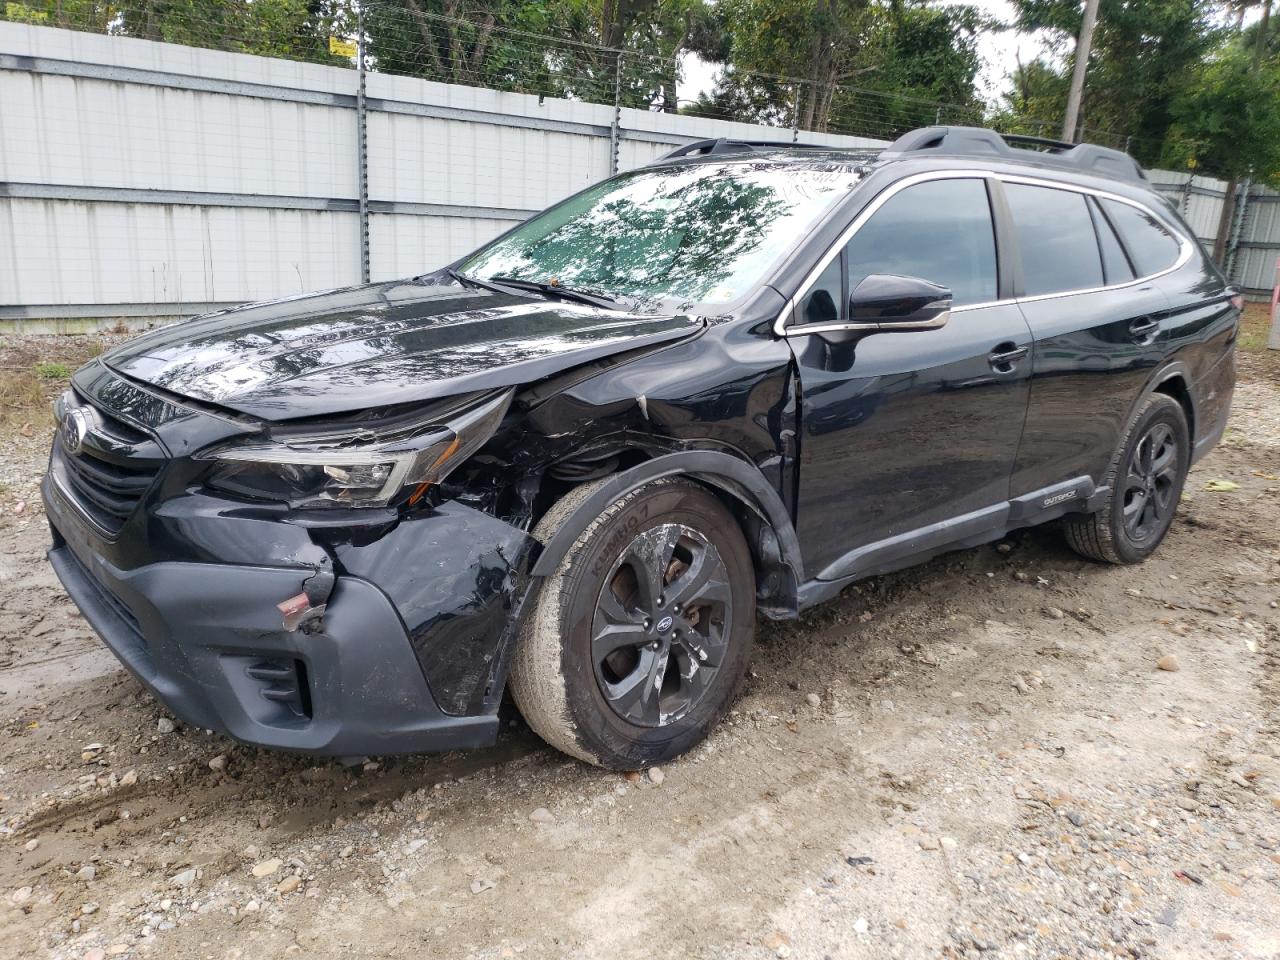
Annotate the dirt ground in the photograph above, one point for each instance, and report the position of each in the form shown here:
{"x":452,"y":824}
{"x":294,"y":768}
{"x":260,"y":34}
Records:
{"x":978,"y":756}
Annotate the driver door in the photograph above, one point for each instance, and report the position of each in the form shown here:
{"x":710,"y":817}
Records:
{"x":908,"y":437}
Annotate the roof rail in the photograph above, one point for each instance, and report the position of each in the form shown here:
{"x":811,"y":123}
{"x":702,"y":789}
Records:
{"x":1017,"y":139}
{"x":706,"y":148}
{"x":981,"y":142}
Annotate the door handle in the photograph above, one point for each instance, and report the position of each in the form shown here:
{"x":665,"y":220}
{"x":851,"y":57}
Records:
{"x":1142,"y":328}
{"x":1005,"y":356}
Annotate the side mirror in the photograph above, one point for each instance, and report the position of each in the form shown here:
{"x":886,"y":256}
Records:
{"x":899,"y":303}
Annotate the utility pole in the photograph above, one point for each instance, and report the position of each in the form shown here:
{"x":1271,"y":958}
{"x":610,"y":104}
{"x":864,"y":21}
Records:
{"x":362,"y":144}
{"x":615,"y":129}
{"x":1083,"y":45}
{"x":1260,"y":47}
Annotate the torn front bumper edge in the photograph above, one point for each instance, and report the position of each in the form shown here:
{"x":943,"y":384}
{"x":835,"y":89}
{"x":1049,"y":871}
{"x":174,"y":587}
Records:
{"x":208,"y":641}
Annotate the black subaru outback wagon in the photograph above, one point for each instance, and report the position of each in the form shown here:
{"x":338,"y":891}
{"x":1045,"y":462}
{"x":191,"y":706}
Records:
{"x":577,"y":463}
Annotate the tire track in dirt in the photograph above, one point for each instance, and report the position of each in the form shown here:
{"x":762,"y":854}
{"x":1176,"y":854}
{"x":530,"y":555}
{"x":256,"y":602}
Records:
{"x":745,"y":850}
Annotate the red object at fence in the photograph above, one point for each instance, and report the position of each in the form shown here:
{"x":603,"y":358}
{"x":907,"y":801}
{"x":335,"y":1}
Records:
{"x":1273,"y":340}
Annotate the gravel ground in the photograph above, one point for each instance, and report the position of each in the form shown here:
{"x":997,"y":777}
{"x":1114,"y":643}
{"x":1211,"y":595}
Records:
{"x":1006,"y":752}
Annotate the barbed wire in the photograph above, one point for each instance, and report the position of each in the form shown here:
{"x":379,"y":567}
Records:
{"x":494,"y":55}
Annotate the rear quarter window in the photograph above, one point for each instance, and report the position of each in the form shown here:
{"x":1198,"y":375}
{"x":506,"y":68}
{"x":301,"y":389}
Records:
{"x":1151,"y":246}
{"x":1115,"y":264}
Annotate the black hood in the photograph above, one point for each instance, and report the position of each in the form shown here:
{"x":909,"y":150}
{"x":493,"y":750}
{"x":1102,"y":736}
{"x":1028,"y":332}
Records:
{"x":378,"y":345}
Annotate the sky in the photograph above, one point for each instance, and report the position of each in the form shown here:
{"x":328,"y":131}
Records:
{"x":1000,"y":51}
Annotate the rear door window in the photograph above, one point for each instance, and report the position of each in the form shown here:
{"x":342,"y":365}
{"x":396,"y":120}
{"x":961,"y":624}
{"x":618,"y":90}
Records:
{"x":1152,"y":247}
{"x":1055,"y":238}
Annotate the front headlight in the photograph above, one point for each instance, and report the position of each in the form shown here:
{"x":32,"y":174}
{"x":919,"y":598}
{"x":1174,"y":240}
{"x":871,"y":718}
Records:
{"x":365,"y":470}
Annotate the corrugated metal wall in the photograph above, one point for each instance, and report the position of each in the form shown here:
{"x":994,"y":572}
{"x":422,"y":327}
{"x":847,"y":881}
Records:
{"x":1199,"y":199}
{"x":147,"y":179}
{"x":150,"y":179}
{"x":1257,"y":258}
{"x":1252,"y":262}
{"x":126,"y":258}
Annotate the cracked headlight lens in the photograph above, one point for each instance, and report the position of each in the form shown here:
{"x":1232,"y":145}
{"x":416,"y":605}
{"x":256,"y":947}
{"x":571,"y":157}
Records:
{"x":360,"y":469}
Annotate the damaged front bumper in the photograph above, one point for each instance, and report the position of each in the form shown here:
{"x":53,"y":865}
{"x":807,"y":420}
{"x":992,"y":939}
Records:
{"x":408,"y":655}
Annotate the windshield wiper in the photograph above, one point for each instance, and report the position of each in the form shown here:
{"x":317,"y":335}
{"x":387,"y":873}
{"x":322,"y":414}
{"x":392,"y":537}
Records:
{"x":469,"y":281}
{"x":592,"y":297}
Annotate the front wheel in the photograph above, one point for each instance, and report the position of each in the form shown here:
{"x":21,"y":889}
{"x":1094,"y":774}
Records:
{"x":1145,"y":484}
{"x":638,"y":644}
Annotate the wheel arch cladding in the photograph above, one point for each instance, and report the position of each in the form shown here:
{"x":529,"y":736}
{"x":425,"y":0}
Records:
{"x":758,"y":508}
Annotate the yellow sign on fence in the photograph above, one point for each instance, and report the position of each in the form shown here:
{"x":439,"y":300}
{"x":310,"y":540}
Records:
{"x":342,"y":48}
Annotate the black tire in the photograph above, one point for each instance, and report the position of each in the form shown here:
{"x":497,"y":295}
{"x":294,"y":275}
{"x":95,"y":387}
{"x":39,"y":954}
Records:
{"x":1145,"y":482}
{"x":627,"y":709}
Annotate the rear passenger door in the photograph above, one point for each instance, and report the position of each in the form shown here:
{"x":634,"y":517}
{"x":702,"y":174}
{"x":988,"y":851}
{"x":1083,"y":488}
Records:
{"x":1096,"y":327}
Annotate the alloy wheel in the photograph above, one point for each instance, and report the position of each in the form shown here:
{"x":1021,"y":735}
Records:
{"x":1150,"y":482}
{"x":661,"y":625}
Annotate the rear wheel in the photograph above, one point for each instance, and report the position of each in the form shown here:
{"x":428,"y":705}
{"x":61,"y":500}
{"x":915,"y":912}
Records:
{"x":1145,"y":481}
{"x":639,"y":642}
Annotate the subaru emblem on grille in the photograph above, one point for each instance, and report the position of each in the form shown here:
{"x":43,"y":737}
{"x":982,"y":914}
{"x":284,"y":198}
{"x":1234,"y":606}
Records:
{"x":75,"y":427}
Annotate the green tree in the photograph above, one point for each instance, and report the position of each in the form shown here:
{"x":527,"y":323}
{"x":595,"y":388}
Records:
{"x":1035,"y":101}
{"x":921,"y":62}
{"x":1228,"y":122}
{"x":748,"y":98}
{"x":295,"y":29}
{"x":815,"y":41}
{"x":654,"y":34}
{"x":856,"y":66}
{"x":1145,"y":54}
{"x":91,"y":15}
{"x":562,"y":48}
{"x":459,"y":41}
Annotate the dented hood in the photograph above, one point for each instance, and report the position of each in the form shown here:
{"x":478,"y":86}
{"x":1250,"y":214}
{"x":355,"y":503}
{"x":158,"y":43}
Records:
{"x":377,"y":345}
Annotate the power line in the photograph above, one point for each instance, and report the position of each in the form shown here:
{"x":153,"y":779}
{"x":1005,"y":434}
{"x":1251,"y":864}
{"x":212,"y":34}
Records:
{"x":524,"y":61}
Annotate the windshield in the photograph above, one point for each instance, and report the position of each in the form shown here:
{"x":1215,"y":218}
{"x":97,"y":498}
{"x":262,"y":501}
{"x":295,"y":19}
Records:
{"x":697,"y":233}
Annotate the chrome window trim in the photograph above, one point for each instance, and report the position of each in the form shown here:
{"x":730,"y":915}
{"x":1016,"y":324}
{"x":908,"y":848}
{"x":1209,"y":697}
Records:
{"x":1185,"y":248}
{"x":780,"y":327}
{"x":935,"y":323}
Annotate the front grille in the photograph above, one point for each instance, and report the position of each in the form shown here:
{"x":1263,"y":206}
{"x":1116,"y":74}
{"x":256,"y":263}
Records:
{"x":107,"y":491}
{"x":119,"y":430}
{"x":115,"y":465}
